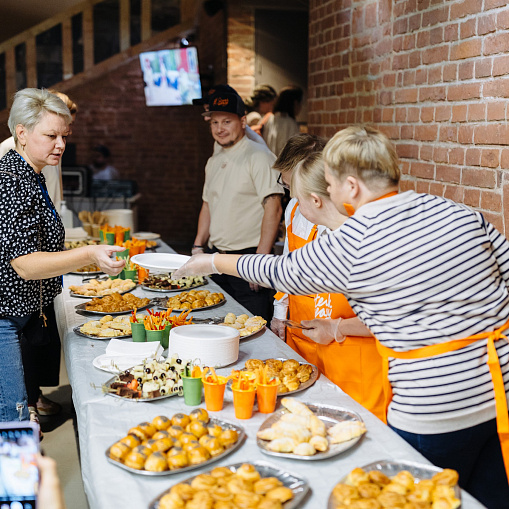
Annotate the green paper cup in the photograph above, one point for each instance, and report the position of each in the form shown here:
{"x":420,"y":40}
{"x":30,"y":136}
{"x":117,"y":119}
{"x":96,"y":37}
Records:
{"x":154,"y":335}
{"x":138,"y":331}
{"x":129,"y":274}
{"x":122,"y":254}
{"x":115,"y":277}
{"x":165,"y":342}
{"x":127,"y":234}
{"x":101,"y":236}
{"x":110,"y":238}
{"x":192,"y":390}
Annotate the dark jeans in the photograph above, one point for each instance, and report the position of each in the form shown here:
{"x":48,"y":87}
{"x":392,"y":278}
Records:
{"x":259,"y":303}
{"x":475,"y":453}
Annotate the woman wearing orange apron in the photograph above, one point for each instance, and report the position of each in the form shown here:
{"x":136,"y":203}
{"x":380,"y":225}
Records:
{"x":354,"y":364}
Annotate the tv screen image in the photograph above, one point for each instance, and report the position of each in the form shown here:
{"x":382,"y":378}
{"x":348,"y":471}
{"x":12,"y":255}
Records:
{"x":171,"y":76}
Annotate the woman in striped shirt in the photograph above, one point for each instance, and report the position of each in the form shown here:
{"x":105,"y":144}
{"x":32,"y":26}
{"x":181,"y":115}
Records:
{"x":418,"y":270}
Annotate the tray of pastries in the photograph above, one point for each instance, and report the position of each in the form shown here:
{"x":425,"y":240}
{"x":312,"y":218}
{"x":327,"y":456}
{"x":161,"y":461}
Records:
{"x":87,"y":270}
{"x":309,"y":432}
{"x":294,"y":376}
{"x":257,"y":484}
{"x":170,"y":446}
{"x":164,"y":283}
{"x":101,"y":288}
{"x":149,"y":381}
{"x":193,"y":299}
{"x":114,"y":304}
{"x":106,"y":328}
{"x":247,"y":326}
{"x":397,"y":484}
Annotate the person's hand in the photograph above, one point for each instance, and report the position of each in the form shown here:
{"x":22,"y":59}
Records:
{"x":254,"y":287}
{"x":324,"y":330}
{"x":50,"y":494}
{"x":197,"y":265}
{"x":102,"y":257}
{"x":278,"y":328}
{"x":197,"y":250}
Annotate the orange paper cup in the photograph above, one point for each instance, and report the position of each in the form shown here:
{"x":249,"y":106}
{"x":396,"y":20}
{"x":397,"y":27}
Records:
{"x":243,"y":402}
{"x":266,"y":394}
{"x":214,"y":394}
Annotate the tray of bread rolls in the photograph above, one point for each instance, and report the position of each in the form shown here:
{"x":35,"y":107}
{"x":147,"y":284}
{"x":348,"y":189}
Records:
{"x":256,"y":484}
{"x":167,"y":446}
{"x":396,"y":483}
{"x":303,"y":431}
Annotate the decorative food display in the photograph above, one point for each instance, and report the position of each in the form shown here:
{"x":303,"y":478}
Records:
{"x":107,"y":327}
{"x":229,"y":487}
{"x":115,"y":303}
{"x":98,"y":288}
{"x":152,"y":379}
{"x":299,"y":431}
{"x":245,"y":325}
{"x":374,"y":488}
{"x":164,"y":282}
{"x":290,"y":372}
{"x":167,"y":445}
{"x":194,"y":299}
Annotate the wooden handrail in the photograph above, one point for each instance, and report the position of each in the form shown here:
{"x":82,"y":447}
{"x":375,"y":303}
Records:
{"x":188,"y":10}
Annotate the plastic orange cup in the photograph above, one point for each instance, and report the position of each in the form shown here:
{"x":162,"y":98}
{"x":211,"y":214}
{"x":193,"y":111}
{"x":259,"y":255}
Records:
{"x":214,"y":394}
{"x":266,"y":395}
{"x":243,"y":401}
{"x":142,"y":274}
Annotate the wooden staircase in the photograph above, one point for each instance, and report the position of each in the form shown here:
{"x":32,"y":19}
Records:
{"x":81,"y":56}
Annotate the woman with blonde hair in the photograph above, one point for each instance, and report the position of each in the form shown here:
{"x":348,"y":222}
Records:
{"x":430,"y":278}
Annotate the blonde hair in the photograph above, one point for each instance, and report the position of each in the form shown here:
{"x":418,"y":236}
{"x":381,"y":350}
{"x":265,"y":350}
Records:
{"x":365,"y":153}
{"x":309,"y":177}
{"x":297,"y":148}
{"x":29,"y":106}
{"x":73,"y":107}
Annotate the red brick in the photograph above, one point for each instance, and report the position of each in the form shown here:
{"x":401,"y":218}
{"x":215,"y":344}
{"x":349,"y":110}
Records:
{"x":451,"y":32}
{"x":413,"y":114}
{"x":472,"y":197}
{"x":497,"y":88}
{"x":496,"y":220}
{"x":407,"y":132}
{"x":370,"y":15}
{"x":436,"y":35}
{"x":442,"y":113}
{"x":405,"y":167}
{"x":400,"y":115}
{"x":414,"y":22}
{"x":500,"y":65}
{"x":498,"y":43}
{"x":504,"y":159}
{"x":432,"y":94}
{"x":422,"y":186}
{"x":487,"y":24}
{"x":450,"y":72}
{"x":440,"y":155}
{"x":421,"y":76}
{"x":466,"y":70}
{"x":409,"y":78}
{"x":467,"y":28}
{"x":407,"y":150}
{"x":406,"y":185}
{"x":492,"y":4}
{"x":454,"y":193}
{"x":463,"y":91}
{"x":466,"y":49}
{"x":459,"y":113}
{"x":456,"y":156}
{"x":414,"y":59}
{"x":465,"y":133}
{"x":388,"y":115}
{"x":478,"y":177}
{"x":483,"y":67}
{"x":491,"y":200}
{"x":435,"y":55}
{"x":448,"y":133}
{"x":490,"y":157}
{"x":422,"y":170}
{"x":473,"y":157}
{"x":435,"y":75}
{"x":461,"y":9}
{"x":427,"y":113}
{"x":503,"y":19}
{"x":491,"y":134}
{"x":426,"y":152}
{"x":436,"y":189}
{"x":434,"y":17}
{"x":405,"y":96}
{"x":423,"y":39}
{"x":426,"y":132}
{"x":476,"y":112}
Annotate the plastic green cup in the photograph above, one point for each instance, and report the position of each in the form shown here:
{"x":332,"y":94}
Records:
{"x":165,"y":342}
{"x":101,"y":236}
{"x":122,"y":254}
{"x":129,"y":274}
{"x":110,"y":238}
{"x":127,"y":234}
{"x":192,"y":390}
{"x":154,"y":335}
{"x":138,"y":331}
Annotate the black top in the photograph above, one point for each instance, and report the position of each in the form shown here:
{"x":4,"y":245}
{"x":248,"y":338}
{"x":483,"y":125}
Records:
{"x":25,"y":214}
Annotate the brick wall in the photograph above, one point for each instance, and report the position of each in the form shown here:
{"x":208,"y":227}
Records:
{"x":434,"y":76}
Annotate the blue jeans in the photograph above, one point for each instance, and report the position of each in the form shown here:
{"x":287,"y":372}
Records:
{"x":13,"y":398}
{"x":475,"y":453}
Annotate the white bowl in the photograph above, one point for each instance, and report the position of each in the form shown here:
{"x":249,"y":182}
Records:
{"x":211,"y":345}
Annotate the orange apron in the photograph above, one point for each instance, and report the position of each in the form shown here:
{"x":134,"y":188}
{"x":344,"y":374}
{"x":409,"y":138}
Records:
{"x":451,"y":346}
{"x":354,"y":365}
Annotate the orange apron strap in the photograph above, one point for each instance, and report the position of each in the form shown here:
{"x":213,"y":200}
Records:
{"x":450,"y":346}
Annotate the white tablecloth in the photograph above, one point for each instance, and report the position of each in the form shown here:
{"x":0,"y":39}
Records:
{"x":102,"y":420}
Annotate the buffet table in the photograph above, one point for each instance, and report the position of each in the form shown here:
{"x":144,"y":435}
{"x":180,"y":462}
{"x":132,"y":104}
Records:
{"x":102,"y":419}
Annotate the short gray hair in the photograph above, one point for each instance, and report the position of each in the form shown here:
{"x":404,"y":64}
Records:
{"x":29,"y":106}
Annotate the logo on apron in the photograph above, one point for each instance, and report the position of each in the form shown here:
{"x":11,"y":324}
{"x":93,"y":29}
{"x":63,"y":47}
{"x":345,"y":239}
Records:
{"x":323,"y":305}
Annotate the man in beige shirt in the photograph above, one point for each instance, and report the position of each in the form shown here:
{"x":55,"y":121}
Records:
{"x":241,"y":198}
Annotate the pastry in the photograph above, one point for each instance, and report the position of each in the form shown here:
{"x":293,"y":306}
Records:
{"x":178,"y":461}
{"x":119,"y":451}
{"x":228,"y":437}
{"x":200,"y":414}
{"x":266,"y":484}
{"x":284,"y":444}
{"x":304,"y":449}
{"x":365,"y":503}
{"x":345,"y":430}
{"x":143,"y":449}
{"x":404,"y":478}
{"x":174,"y":451}
{"x":275,"y":364}
{"x":135,"y":460}
{"x":175,"y":431}
{"x":282,"y":493}
{"x":214,"y":430}
{"x":197,"y":428}
{"x":290,"y":366}
{"x":161,"y":434}
{"x":378,"y":477}
{"x":163,"y":444}
{"x":215,"y":447}
{"x":317,"y":426}
{"x":369,"y":490}
{"x":203,"y":440}
{"x":391,"y":500}
{"x":295,"y":406}
{"x":248,"y":472}
{"x":180,"y":420}
{"x":447,"y":476}
{"x":198,"y":455}
{"x":270,"y":504}
{"x":221,"y":472}
{"x":357,"y":476}
{"x":345,"y":494}
{"x":221,"y":494}
{"x":161,"y":422}
{"x":201,"y":500}
{"x":253,"y":364}
{"x":186,"y":437}
{"x":131,"y":441}
{"x":247,"y":500}
{"x":139,"y":432}
{"x":170,"y":501}
{"x":320,"y":443}
{"x":191,"y":444}
{"x":203,"y":482}
{"x":156,"y":462}
{"x":183,"y":491}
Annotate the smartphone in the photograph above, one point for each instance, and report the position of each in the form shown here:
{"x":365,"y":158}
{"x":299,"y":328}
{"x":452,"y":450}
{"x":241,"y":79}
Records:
{"x":19,"y":475}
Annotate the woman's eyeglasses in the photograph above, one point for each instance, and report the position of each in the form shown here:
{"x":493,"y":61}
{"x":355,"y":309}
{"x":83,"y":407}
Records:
{"x":281,"y":183}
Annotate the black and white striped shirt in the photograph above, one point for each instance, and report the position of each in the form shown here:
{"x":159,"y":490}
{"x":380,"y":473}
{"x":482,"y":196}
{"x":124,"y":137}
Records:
{"x":418,"y":270}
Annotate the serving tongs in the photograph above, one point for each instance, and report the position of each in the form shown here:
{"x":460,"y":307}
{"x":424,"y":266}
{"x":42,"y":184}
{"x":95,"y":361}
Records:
{"x":214,"y":320}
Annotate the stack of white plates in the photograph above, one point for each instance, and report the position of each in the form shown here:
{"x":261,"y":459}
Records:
{"x":210,"y":345}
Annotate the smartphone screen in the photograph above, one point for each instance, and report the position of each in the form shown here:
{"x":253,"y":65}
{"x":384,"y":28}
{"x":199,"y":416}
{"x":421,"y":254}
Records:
{"x":19,"y":475}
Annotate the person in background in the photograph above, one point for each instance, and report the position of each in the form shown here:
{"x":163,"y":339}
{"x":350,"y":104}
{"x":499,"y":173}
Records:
{"x":101,"y":168}
{"x":31,"y":252}
{"x":260,"y":106}
{"x":281,"y":126}
{"x":241,"y":199}
{"x":52,"y":174}
{"x":430,"y":278}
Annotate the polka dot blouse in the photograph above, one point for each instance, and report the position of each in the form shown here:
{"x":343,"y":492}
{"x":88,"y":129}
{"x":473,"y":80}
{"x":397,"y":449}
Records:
{"x":24,"y":217}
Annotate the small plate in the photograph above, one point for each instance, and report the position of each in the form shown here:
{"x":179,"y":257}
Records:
{"x":297,"y":484}
{"x":328,"y":414}
{"x":82,"y":308}
{"x":160,"y":303}
{"x":77,"y":331}
{"x":160,"y":261}
{"x":390,"y":468}
{"x":223,"y":424}
{"x":106,"y":363}
{"x":146,"y":235}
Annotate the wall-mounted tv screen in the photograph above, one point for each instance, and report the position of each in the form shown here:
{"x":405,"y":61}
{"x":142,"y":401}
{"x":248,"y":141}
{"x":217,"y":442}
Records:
{"x":171,"y":76}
